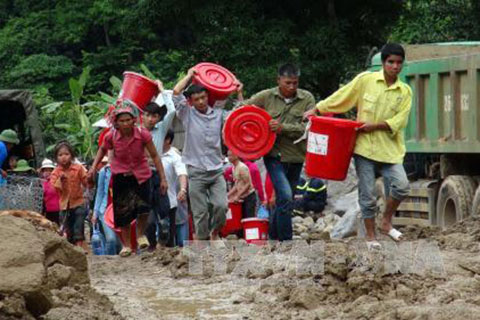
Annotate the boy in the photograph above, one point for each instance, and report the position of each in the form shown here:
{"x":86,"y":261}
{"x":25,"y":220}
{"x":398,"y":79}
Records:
{"x":383,"y":103}
{"x":243,"y":190}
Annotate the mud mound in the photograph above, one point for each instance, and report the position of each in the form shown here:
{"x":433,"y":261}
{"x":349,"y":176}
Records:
{"x":464,"y":235}
{"x":45,"y":277}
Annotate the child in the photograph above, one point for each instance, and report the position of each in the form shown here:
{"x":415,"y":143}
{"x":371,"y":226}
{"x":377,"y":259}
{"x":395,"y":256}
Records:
{"x":68,"y":178}
{"x":51,"y":199}
{"x":131,"y":174}
{"x":243,"y":190}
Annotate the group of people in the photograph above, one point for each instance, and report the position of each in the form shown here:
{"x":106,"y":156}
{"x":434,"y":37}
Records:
{"x":148,"y":181}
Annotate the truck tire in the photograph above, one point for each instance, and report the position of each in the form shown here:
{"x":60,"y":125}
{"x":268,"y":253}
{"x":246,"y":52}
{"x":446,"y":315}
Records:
{"x":455,"y":199}
{"x":476,"y":203}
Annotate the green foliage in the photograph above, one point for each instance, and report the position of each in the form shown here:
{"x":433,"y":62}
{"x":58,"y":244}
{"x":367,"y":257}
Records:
{"x":426,"y":21}
{"x":72,"y":120}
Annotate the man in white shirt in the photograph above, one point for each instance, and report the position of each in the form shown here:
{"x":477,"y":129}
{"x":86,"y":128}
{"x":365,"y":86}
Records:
{"x":176,"y":174}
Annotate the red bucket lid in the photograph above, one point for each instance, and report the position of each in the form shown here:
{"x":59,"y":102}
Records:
{"x":215,"y":77}
{"x":247,"y":133}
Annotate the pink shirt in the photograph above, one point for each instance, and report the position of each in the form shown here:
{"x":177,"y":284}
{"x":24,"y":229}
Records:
{"x":254,"y":174}
{"x":129,"y":153}
{"x":51,"y":198}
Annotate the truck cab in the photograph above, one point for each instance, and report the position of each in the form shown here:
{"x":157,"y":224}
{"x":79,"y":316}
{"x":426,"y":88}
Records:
{"x":19,"y":113}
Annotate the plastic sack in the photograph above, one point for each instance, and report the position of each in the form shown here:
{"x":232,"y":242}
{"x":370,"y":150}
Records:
{"x":98,"y":241}
{"x":347,"y":225}
{"x":262,"y":212}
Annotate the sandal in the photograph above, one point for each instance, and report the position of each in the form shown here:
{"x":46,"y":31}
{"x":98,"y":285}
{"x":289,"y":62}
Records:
{"x":125,"y":252}
{"x":395,"y":234}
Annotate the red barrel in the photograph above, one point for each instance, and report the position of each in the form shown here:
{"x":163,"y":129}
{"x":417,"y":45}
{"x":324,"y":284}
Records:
{"x":233,"y":223}
{"x":138,"y":89}
{"x":255,"y":230}
{"x":246,"y":132}
{"x":219,"y":81}
{"x":330,"y":147}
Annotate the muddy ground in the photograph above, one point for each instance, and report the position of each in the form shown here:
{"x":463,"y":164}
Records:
{"x":432,"y":275}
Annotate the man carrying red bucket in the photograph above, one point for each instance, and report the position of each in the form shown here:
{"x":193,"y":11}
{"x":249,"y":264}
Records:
{"x":286,"y":104}
{"x":383,"y":103}
{"x":202,"y":154}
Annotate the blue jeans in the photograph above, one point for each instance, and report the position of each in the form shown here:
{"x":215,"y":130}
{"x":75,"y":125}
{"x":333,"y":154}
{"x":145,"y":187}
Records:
{"x":112,"y":242}
{"x":182,"y":234}
{"x":284,"y":178}
{"x":394,"y":178}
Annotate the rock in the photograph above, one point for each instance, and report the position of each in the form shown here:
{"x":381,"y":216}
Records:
{"x":319,"y":225}
{"x":296,"y":238}
{"x":37,"y":263}
{"x":300,"y":228}
{"x":304,"y":235}
{"x":297,"y":219}
{"x":308,"y":222}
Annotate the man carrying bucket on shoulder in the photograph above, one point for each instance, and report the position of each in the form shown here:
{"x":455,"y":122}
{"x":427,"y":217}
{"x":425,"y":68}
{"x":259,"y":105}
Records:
{"x":286,"y":104}
{"x":202,"y":154}
{"x":383,"y":103}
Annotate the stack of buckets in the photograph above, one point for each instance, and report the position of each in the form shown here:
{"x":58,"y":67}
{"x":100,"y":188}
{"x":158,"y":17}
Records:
{"x":255,"y":230}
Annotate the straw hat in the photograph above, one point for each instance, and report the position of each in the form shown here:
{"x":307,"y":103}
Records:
{"x":22,"y":166}
{"x":47,"y":164}
{"x":9,"y":136}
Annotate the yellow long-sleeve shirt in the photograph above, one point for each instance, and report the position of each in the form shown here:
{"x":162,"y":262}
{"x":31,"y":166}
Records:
{"x":376,"y":103}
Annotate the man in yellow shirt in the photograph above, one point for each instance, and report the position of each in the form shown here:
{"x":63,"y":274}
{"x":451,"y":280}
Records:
{"x":383,"y":104}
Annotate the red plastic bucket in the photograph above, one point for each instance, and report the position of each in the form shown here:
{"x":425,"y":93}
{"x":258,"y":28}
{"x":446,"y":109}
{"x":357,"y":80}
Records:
{"x":138,"y":89}
{"x":219,"y":81}
{"x":255,"y":230}
{"x":330,"y":147}
{"x":233,"y":223}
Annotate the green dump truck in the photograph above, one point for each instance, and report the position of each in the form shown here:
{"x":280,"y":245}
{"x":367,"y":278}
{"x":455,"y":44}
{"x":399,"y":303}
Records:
{"x":443,"y":133}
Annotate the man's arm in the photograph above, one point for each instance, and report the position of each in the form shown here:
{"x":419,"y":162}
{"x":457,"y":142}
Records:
{"x":181,"y":172}
{"x":341,"y":100}
{"x":182,"y":84}
{"x":257,"y":99}
{"x":179,"y":100}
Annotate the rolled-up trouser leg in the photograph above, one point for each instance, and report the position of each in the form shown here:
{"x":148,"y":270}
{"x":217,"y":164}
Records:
{"x":366,"y":186}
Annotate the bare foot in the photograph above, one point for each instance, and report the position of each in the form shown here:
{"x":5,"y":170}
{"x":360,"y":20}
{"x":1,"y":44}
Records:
{"x":386,"y":226}
{"x":214,"y":235}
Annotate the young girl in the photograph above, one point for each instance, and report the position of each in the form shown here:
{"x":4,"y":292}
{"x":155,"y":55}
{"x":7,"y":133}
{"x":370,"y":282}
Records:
{"x":69,"y":179}
{"x":131,"y":173}
{"x":51,"y":199}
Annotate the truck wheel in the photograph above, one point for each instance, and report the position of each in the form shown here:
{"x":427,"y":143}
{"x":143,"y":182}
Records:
{"x":381,"y":200}
{"x":476,"y":203}
{"x":454,"y":199}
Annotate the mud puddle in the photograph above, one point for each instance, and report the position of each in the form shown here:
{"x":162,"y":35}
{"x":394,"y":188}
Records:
{"x":142,"y":289}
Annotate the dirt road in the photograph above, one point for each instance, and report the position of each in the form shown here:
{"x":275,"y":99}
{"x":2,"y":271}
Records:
{"x":432,"y":275}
